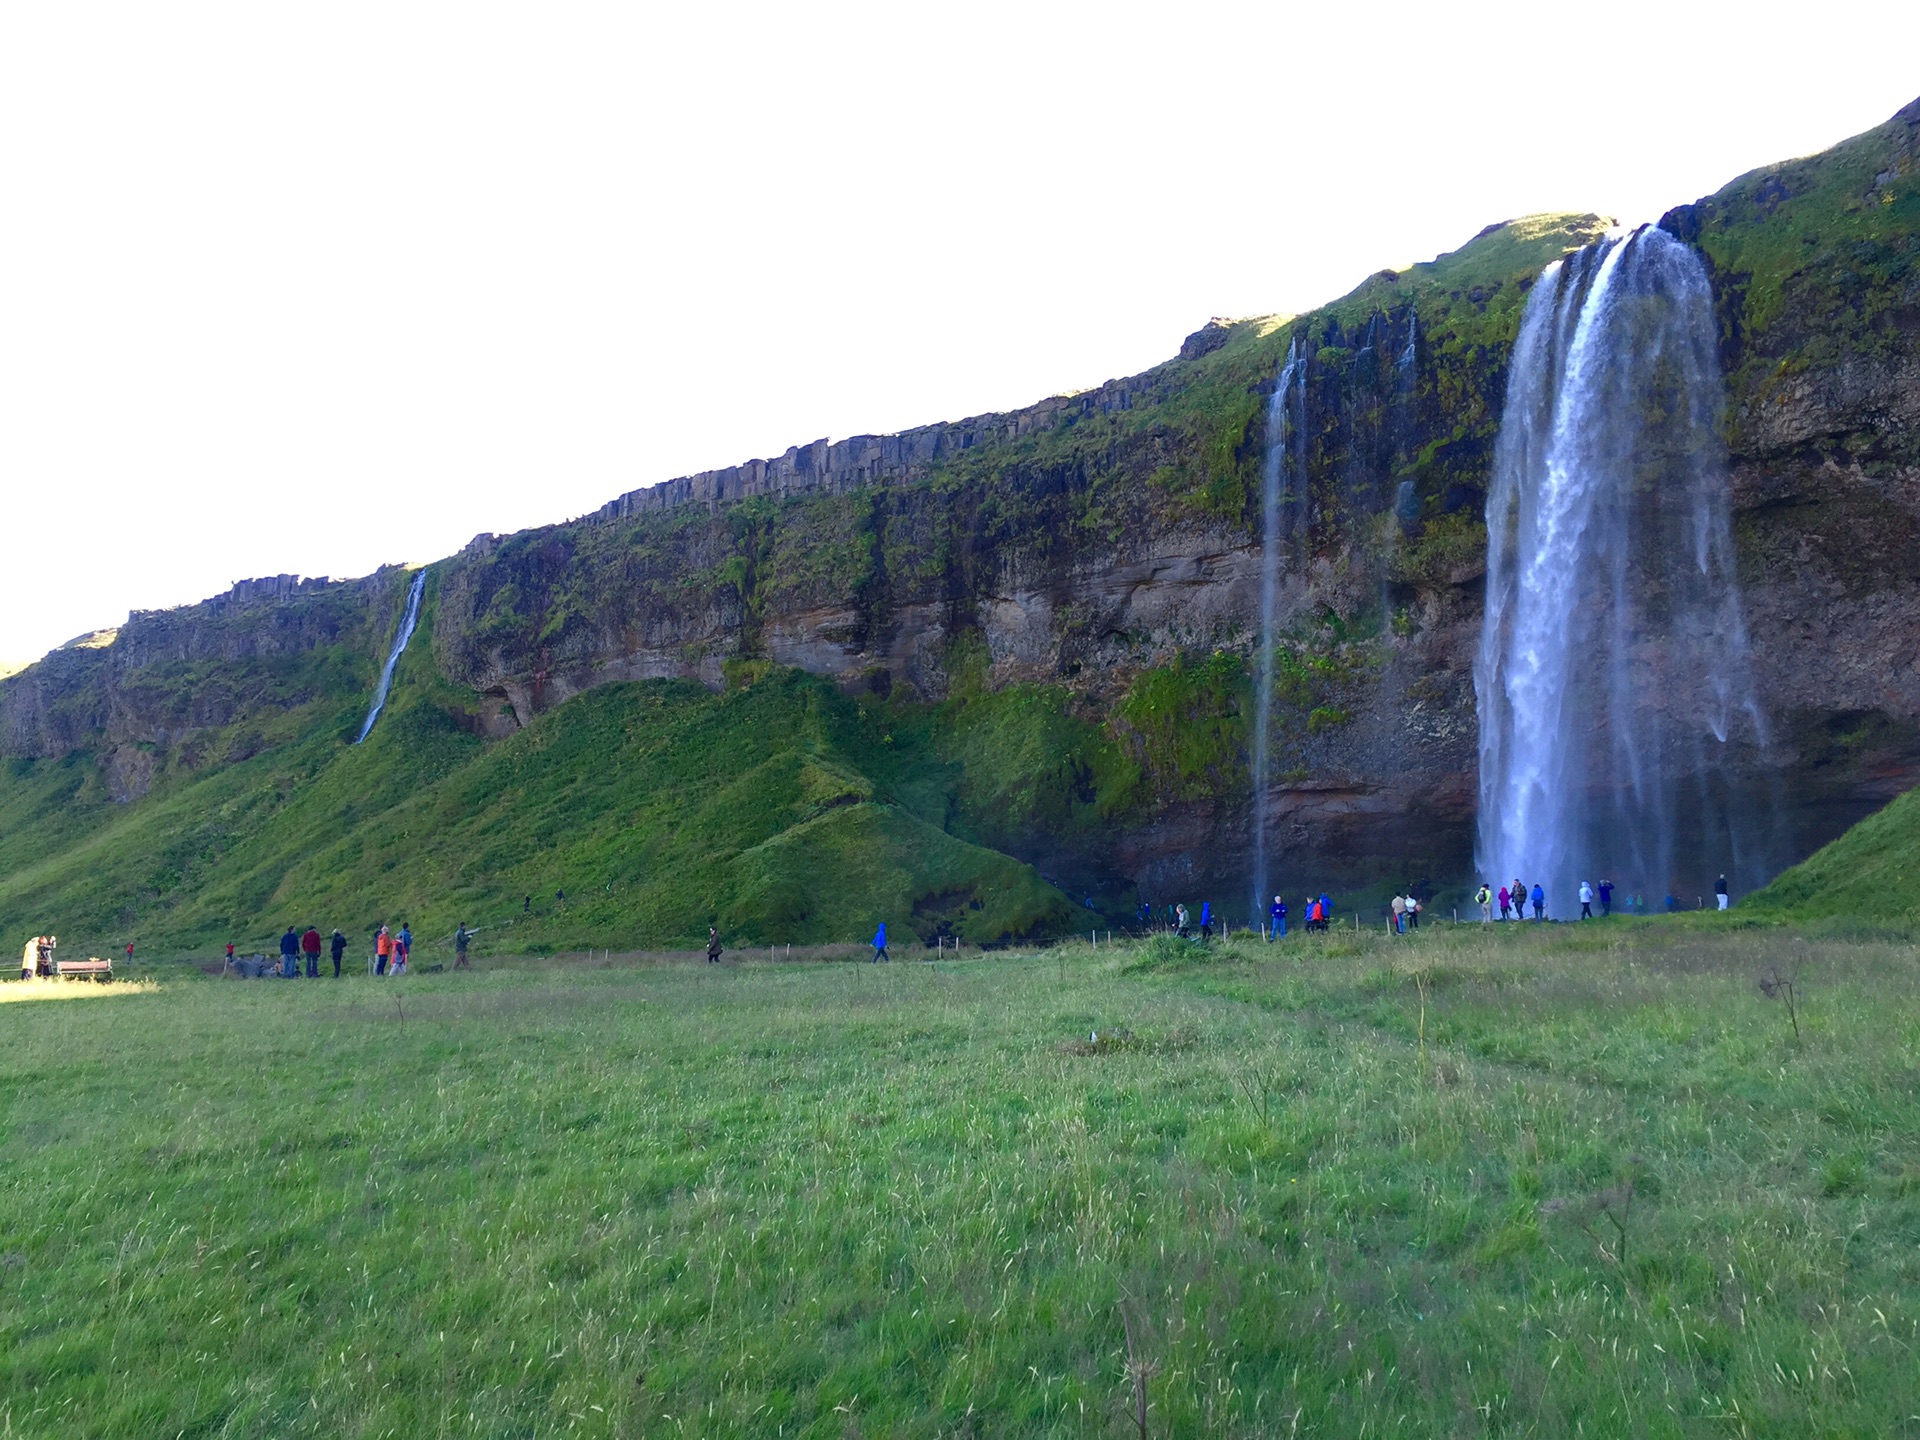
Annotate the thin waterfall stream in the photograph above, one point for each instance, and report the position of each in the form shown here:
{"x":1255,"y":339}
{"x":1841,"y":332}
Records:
{"x":1278,"y":468}
{"x":408,"y":619}
{"x":1615,"y":696}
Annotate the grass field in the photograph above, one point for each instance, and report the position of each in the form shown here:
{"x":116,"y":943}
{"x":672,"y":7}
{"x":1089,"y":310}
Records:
{"x":1545,"y":1182}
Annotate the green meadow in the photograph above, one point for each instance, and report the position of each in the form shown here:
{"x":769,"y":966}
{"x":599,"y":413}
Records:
{"x":1558,"y":1181}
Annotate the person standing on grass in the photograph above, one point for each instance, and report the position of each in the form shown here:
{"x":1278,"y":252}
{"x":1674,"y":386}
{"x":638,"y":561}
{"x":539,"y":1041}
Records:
{"x":1606,"y":898}
{"x":1180,"y":920}
{"x":1586,"y":901}
{"x":402,"y":948}
{"x":1278,"y":915}
{"x":1539,"y":898}
{"x":1413,"y":910}
{"x":1206,"y":920}
{"x":462,"y":938}
{"x":1399,"y":914}
{"x":310,"y":947}
{"x":382,"y":950}
{"x":713,"y":944}
{"x":338,"y":943}
{"x":1483,"y":897}
{"x":880,"y":944}
{"x":1506,"y":902}
{"x":1720,"y":896}
{"x":289,"y":951}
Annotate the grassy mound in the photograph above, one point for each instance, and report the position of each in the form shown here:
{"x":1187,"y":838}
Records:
{"x":1869,"y":875}
{"x":780,"y":811}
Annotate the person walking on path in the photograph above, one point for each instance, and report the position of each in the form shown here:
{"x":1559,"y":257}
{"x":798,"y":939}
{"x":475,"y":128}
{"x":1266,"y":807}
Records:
{"x":1206,"y":920}
{"x":462,"y":938}
{"x":289,"y":949}
{"x":338,"y":944}
{"x":880,"y":944}
{"x":1278,"y":915}
{"x":1719,"y":895}
{"x":1180,"y":920}
{"x":310,"y":947}
{"x":1586,"y":901}
{"x":1484,"y":899}
{"x":382,"y":950}
{"x":1326,"y":910}
{"x":1606,"y":898}
{"x":713,"y":943}
{"x":1539,"y":898}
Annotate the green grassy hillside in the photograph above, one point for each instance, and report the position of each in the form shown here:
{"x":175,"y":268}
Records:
{"x":784,"y":811}
{"x":1870,"y":875}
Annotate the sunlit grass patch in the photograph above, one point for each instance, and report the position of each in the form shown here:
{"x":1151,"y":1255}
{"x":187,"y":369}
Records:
{"x":72,"y":989}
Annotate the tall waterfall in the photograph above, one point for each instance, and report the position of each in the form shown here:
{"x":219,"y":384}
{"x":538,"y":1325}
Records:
{"x":1615,"y":696}
{"x":405,"y":633}
{"x":1280,"y":472}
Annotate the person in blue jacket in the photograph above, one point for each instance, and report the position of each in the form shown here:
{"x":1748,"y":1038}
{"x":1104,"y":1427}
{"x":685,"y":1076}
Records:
{"x":880,"y":944}
{"x":1278,"y":914}
{"x":289,"y":949}
{"x":1539,"y":899}
{"x":1326,"y":912}
{"x":1206,"y":920}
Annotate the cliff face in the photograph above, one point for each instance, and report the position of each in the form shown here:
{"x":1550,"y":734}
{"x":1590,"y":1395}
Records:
{"x":1065,"y":598}
{"x":1816,"y":270}
{"x":189,"y":688}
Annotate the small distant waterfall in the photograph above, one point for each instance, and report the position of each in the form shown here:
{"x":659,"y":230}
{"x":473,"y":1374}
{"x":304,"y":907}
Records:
{"x":404,"y":634}
{"x":1279,"y":475}
{"x":1612,"y":679}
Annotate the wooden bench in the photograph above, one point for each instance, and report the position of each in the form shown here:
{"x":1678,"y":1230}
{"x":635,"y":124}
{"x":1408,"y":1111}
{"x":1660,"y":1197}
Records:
{"x":96,"y":969}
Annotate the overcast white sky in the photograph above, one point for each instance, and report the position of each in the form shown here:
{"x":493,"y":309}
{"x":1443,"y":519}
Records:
{"x":317,"y":287}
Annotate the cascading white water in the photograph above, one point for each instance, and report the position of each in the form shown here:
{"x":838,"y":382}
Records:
{"x":401,"y":636}
{"x":1612,"y":680}
{"x":1278,"y":471}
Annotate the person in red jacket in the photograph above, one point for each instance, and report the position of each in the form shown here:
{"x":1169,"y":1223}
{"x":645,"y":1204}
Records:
{"x":310,"y":947}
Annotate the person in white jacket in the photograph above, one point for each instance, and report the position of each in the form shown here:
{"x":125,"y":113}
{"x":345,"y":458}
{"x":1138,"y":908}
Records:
{"x":1586,"y":901}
